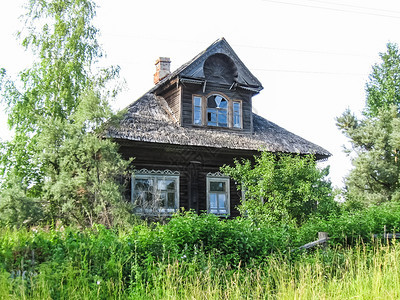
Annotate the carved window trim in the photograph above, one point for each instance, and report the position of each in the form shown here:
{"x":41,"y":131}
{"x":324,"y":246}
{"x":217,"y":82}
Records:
{"x":155,"y":198}
{"x":214,"y":197}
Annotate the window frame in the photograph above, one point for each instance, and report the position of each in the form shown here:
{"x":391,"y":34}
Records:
{"x":218,"y":177}
{"x":201,"y":110}
{"x":229,"y":109}
{"x":156,"y":176}
{"x":240,"y":114}
{"x":219,"y":111}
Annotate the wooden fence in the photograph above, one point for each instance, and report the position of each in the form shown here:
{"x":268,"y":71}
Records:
{"x":323,"y":239}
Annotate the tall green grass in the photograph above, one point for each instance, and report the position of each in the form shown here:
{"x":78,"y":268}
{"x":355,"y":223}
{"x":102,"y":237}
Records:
{"x":361,"y":273}
{"x":202,"y":257}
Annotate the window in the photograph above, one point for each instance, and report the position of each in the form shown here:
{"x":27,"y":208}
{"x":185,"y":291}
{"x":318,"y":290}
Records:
{"x":197,"y":115}
{"x":218,"y":194}
{"x":237,"y":118}
{"x":155,"y":192}
{"x":217,"y":111}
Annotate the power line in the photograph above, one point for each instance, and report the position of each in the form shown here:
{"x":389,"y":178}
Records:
{"x":332,"y":9}
{"x":356,"y":6}
{"x":309,"y":72}
{"x":303,"y":50}
{"x":242,"y":46}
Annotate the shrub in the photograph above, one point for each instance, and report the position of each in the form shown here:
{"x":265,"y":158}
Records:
{"x":282,"y":188}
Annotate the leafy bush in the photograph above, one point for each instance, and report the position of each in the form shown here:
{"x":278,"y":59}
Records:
{"x":282,"y":188}
{"x":230,"y":241}
{"x":190,"y":245}
{"x":349,"y":227}
{"x":17,"y":209}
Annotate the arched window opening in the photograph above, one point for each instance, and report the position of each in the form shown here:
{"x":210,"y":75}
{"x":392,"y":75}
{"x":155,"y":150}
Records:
{"x":217,"y":111}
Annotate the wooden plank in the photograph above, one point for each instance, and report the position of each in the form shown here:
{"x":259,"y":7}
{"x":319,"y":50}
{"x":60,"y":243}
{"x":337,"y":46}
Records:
{"x":388,"y":236}
{"x":315,"y":243}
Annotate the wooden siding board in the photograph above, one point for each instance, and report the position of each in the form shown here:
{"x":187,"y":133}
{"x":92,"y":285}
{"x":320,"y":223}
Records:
{"x":193,"y":163}
{"x":191,"y":89}
{"x":173,"y":98}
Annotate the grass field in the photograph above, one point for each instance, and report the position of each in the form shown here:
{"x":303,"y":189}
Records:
{"x":360,"y":272}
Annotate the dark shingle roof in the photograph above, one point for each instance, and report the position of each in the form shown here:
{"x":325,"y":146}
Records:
{"x":149,"y":119}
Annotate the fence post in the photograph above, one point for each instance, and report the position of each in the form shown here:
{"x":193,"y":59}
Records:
{"x":321,"y":236}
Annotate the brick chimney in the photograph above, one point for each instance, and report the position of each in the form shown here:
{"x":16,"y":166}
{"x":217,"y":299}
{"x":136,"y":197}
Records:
{"x":162,"y":69}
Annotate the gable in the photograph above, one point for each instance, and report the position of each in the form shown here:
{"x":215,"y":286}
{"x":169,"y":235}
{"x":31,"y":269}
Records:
{"x":195,"y":70}
{"x":220,"y":58}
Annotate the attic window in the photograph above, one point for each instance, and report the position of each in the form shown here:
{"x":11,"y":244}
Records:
{"x":197,"y":110}
{"x":217,"y":111}
{"x":237,"y":114}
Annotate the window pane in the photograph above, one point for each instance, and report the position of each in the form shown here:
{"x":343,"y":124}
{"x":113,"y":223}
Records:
{"x":236,"y":115}
{"x":217,"y":186}
{"x":218,"y":100}
{"x":222,"y":119}
{"x":143,"y":184}
{"x":197,"y":111}
{"x":223,"y":104}
{"x":164,"y":185}
{"x":197,"y":115}
{"x":171,"y":201}
{"x":213,"y":201}
{"x":212,"y":117}
{"x":236,"y":121}
{"x":221,"y":201}
{"x":160,"y":199}
{"x":197,"y":101}
{"x":213,"y":112}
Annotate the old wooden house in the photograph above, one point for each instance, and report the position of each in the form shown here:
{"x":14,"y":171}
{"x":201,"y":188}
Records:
{"x":193,"y":121}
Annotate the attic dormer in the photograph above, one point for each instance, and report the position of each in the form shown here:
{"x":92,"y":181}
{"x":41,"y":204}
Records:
{"x":212,"y":91}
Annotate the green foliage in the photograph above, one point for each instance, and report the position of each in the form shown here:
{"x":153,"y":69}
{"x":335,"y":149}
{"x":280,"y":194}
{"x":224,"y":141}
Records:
{"x":352,"y":226}
{"x":231,"y":242}
{"x":17,"y":209}
{"x":57,"y":111}
{"x":62,"y":38}
{"x":282,"y":188}
{"x":201,"y":257}
{"x":383,"y":88}
{"x":375,"y":137}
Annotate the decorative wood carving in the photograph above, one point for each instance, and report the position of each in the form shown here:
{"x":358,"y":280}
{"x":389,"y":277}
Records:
{"x":156,"y":172}
{"x":220,"y":68}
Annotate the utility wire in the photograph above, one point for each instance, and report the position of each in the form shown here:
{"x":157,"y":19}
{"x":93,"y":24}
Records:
{"x":240,"y":45}
{"x":303,"y":50}
{"x":356,"y":6}
{"x":332,"y":9}
{"x":309,"y":72}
